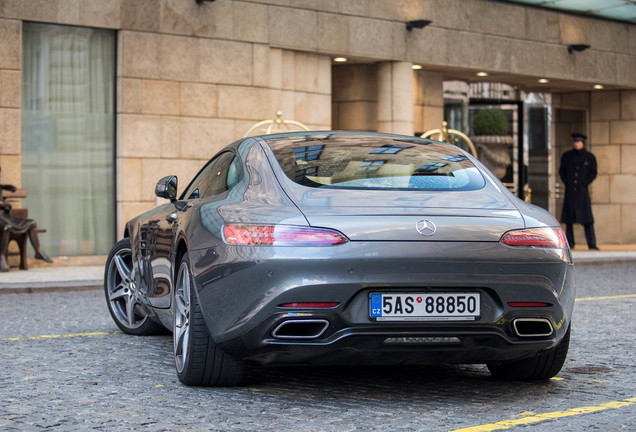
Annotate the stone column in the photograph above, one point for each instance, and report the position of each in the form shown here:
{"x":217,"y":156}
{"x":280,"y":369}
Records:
{"x":395,"y":97}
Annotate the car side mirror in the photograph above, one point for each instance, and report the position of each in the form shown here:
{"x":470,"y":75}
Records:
{"x":167,"y":188}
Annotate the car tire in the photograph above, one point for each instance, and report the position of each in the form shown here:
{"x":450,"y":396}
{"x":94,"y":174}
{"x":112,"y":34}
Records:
{"x":543,"y":366}
{"x":199,"y":361}
{"x":122,"y":295}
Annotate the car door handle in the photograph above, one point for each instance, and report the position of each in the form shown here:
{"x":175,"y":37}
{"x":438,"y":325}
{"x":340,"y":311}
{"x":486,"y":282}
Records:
{"x":172,"y":217}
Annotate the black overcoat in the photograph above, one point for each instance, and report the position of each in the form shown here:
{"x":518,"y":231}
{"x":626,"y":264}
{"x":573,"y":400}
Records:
{"x":577,"y":171}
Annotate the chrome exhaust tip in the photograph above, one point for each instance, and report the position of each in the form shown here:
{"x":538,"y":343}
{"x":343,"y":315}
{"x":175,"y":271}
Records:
{"x":301,"y":329}
{"x":532,"y":327}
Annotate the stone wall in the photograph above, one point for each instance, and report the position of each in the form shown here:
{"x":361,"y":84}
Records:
{"x":10,"y":100}
{"x":613,"y":139}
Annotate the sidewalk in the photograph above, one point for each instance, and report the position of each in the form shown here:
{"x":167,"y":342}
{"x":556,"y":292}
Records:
{"x":87,"y":273}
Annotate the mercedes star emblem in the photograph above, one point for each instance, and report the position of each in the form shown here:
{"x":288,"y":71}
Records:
{"x":426,"y":227}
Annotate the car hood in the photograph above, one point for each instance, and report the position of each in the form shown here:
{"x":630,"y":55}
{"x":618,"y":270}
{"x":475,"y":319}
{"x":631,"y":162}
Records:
{"x":373,"y":215}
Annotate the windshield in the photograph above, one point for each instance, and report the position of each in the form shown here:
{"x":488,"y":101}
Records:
{"x":374,"y":162}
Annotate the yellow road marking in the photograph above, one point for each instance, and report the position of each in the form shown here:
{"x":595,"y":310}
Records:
{"x":507,"y":424}
{"x":606,"y":297}
{"x":71,"y":335}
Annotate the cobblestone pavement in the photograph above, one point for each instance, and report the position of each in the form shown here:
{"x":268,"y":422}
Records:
{"x":91,"y":377}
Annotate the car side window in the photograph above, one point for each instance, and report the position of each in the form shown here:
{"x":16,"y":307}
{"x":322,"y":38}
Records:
{"x":217,"y":176}
{"x":201,"y":181}
{"x":223,"y":176}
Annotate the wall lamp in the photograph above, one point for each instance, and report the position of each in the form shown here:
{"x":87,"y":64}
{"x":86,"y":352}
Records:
{"x":410,"y":25}
{"x":577,"y":47}
{"x":201,"y":1}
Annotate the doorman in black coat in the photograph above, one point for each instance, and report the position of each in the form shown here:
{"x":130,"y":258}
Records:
{"x":578,"y":171}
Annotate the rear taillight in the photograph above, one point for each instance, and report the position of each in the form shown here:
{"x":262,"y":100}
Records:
{"x":280,"y":235}
{"x":549,"y":237}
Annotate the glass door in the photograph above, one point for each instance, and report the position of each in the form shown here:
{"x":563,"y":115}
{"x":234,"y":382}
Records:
{"x":68,"y":87}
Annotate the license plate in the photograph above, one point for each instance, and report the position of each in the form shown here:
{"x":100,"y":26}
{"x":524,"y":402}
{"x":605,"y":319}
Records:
{"x":424,"y":307}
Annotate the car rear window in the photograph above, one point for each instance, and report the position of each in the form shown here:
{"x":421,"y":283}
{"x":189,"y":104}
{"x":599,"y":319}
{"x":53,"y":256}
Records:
{"x":374,"y":162}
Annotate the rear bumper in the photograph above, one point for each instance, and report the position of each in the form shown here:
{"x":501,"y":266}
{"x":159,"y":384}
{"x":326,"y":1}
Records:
{"x":241,"y":302}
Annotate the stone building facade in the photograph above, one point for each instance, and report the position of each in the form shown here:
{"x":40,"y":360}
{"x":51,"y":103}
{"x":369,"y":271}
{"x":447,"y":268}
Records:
{"x":192,"y":77}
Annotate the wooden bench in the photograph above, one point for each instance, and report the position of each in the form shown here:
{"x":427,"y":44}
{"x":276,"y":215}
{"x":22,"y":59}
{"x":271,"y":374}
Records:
{"x":22,"y":240}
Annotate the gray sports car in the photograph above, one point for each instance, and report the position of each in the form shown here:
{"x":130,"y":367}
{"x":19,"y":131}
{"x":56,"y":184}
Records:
{"x":345,"y":248}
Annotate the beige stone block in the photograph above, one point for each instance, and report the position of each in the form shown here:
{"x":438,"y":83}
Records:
{"x":586,"y":67}
{"x":225,"y":62}
{"x":429,"y":88}
{"x":496,"y":53}
{"x":141,"y":15}
{"x":198,"y":100}
{"x":628,"y":104}
{"x":283,"y":101}
{"x":625,"y":67}
{"x":160,"y":97}
{"x":68,"y":11}
{"x":179,"y":58}
{"x":139,"y":54}
{"x":288,"y":70}
{"x":628,"y":159}
{"x":128,"y":179}
{"x":102,"y":14}
{"x":542,"y":26}
{"x":467,"y":50}
{"x":628,"y":223}
{"x":373,"y":38}
{"x":599,"y":190}
{"x":311,"y":108}
{"x":622,"y":187}
{"x":129,"y":96}
{"x":210,"y":20}
{"x":152,"y":170}
{"x":402,"y":92}
{"x":417,"y":120}
{"x":527,"y":58}
{"x":608,"y":159}
{"x":11,"y":45}
{"x":304,"y":72}
{"x":574,"y":30}
{"x":360,"y":116}
{"x":203,"y":138}
{"x":140,"y":135}
{"x":333,"y":33}
{"x":11,"y":169}
{"x":245,"y":103}
{"x":499,"y":19}
{"x":251,"y":22}
{"x":432,"y":43}
{"x":623,"y":132}
{"x":10,"y":89}
{"x":355,"y":82}
{"x":171,"y":137}
{"x":605,"y":105}
{"x":599,"y":133}
{"x":432,"y":117}
{"x":324,"y":75}
{"x":293,"y":28}
{"x":10,"y":131}
{"x":274,"y":68}
{"x":576,"y":100}
{"x":261,"y":65}
{"x":607,"y":225}
{"x":32,"y":10}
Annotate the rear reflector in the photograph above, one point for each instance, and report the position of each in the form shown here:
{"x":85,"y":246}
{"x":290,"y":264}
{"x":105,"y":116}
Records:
{"x":549,"y":237}
{"x":281,"y":235}
{"x":528,"y":304}
{"x":309,"y":305}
